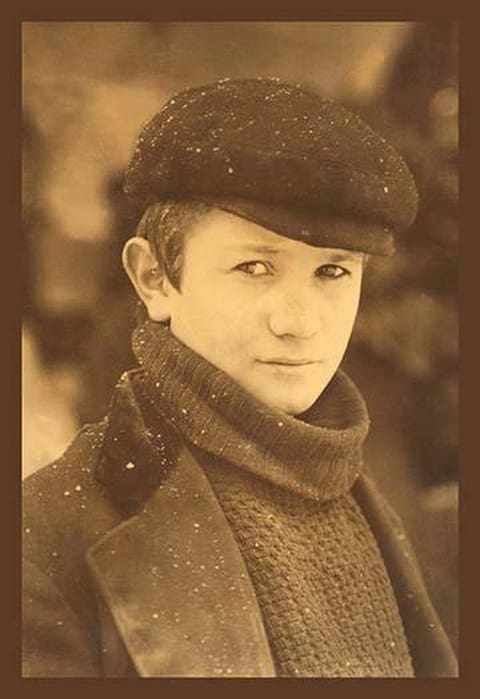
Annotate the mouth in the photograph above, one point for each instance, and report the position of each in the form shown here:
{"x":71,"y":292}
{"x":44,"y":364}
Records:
{"x":288,"y":362}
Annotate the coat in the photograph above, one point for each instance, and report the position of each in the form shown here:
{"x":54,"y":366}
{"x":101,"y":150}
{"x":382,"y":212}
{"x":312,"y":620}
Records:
{"x":103,"y":595}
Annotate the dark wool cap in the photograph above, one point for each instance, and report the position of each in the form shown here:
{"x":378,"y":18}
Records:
{"x":281,"y":156}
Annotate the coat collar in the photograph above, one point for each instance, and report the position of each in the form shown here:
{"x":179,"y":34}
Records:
{"x":172,"y":574}
{"x":134,"y":459}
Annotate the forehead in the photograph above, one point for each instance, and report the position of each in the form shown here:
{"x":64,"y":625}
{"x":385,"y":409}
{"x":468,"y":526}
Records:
{"x":228,"y":233}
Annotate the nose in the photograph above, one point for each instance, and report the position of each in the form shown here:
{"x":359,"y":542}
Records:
{"x":294,"y":313}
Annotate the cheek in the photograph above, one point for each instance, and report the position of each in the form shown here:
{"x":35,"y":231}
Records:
{"x":342,"y":320}
{"x":213,"y":325}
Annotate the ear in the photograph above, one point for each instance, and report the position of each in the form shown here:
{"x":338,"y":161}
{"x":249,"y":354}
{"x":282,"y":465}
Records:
{"x":149,"y":280}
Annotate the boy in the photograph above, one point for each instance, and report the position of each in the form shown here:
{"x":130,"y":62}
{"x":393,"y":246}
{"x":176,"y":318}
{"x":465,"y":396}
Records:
{"x":218,"y":522}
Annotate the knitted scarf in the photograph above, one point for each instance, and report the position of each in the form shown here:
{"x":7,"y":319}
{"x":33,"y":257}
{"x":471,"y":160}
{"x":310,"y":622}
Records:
{"x":284,"y":484}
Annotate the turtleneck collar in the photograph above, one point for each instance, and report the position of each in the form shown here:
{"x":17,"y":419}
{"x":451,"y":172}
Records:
{"x":317,"y":454}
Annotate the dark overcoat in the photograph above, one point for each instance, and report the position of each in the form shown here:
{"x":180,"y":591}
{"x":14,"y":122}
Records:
{"x":130,"y":565}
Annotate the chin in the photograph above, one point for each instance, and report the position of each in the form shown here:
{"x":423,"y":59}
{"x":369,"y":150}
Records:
{"x":290,"y":390}
{"x":289,"y":395}
{"x":290,"y":404}
{"x":297,"y":407}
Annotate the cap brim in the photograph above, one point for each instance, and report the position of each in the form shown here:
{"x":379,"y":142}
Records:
{"x":311,"y":227}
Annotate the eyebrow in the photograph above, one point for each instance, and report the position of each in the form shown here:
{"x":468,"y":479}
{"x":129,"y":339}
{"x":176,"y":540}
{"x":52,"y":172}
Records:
{"x":272,"y":250}
{"x":268,"y":249}
{"x":342,"y":256}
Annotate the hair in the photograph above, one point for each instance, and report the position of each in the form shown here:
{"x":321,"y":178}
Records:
{"x":165,"y":225}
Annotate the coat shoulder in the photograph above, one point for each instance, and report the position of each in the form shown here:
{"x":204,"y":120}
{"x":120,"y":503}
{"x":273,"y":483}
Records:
{"x":66,"y":510}
{"x":80,"y":457}
{"x":66,"y":489}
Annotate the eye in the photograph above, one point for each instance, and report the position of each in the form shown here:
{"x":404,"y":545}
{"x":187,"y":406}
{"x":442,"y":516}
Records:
{"x":331,"y":271}
{"x":255,"y":268}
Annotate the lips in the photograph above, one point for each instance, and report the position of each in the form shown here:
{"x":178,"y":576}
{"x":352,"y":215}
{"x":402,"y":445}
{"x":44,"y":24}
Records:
{"x":287,"y":361}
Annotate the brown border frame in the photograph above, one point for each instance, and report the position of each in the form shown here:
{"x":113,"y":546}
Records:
{"x":29,"y":10}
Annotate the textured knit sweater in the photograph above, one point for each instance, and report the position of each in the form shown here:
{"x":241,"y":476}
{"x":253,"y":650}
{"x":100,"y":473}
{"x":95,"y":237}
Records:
{"x":284,"y":484}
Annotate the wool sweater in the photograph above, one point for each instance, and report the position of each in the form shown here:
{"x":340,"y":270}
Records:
{"x":284,"y":484}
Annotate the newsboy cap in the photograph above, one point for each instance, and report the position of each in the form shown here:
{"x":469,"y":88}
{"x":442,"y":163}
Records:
{"x":279,"y":155}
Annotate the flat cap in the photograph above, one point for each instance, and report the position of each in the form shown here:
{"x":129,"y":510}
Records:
{"x":280,"y":155}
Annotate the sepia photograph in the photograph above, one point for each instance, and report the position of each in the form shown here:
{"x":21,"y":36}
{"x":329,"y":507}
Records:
{"x":240,"y":349}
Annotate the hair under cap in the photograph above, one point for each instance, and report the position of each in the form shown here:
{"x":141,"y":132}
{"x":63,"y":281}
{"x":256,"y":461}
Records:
{"x":279,"y":155}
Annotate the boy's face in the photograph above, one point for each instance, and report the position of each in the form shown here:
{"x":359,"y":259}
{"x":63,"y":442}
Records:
{"x":273,"y":313}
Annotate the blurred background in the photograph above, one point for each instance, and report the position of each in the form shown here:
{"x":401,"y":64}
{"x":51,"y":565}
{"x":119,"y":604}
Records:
{"x":88,"y":87}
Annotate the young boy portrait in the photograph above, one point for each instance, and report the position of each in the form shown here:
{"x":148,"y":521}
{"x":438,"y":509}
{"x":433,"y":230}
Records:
{"x":220,"y":521}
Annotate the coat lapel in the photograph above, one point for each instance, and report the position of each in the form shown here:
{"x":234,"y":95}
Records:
{"x":430,"y":648}
{"x":177,"y":586}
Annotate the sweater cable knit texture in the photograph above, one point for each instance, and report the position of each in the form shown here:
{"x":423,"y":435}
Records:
{"x":324,"y":593}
